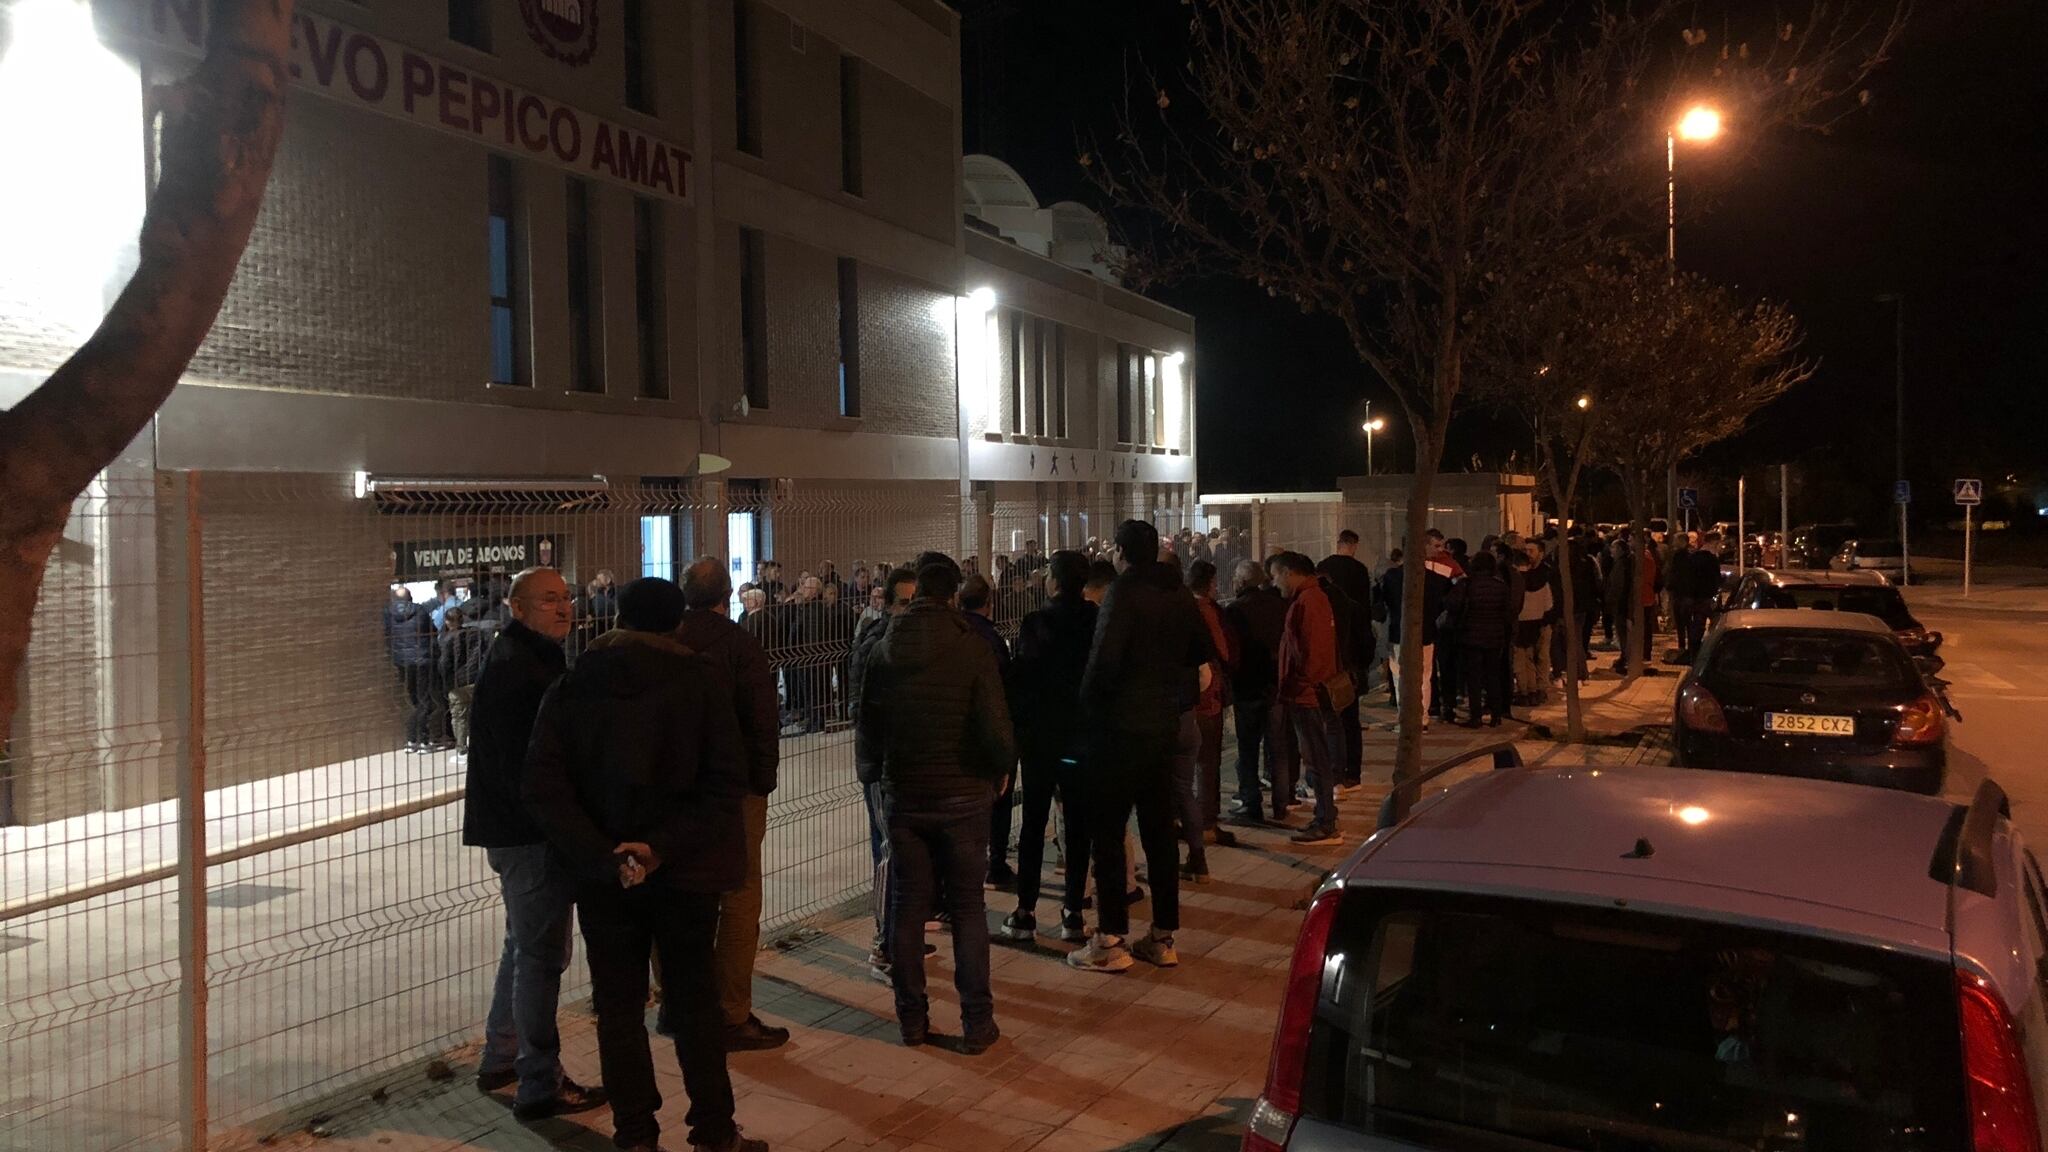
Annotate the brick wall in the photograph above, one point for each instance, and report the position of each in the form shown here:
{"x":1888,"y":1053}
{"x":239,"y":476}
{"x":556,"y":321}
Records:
{"x":906,"y":355}
{"x":366,"y":271}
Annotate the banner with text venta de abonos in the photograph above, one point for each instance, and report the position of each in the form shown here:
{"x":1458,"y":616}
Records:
{"x":365,"y":70}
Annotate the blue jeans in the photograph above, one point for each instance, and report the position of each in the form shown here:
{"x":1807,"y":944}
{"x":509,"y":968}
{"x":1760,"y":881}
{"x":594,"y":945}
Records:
{"x":940,"y":845}
{"x":1321,"y":740}
{"x":520,"y":1030}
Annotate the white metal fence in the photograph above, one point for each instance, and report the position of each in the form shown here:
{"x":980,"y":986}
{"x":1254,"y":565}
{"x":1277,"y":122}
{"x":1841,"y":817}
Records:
{"x":226,"y":887}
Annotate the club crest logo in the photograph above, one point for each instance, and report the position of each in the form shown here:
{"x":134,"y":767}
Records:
{"x":564,"y":29}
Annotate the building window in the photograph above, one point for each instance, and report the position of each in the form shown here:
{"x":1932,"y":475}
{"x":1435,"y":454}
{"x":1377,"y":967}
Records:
{"x":469,"y":22}
{"x":849,"y":124}
{"x":1016,"y":373}
{"x":1152,"y":408}
{"x":1038,"y":377}
{"x":1059,"y":381}
{"x":745,"y":82}
{"x":658,"y":546}
{"x":508,"y":276}
{"x":1123,"y":393}
{"x":639,"y":75}
{"x":849,"y":337}
{"x":754,"y":317}
{"x":586,"y":293}
{"x":650,"y":296}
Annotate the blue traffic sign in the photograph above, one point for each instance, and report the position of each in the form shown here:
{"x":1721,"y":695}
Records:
{"x":1969,"y":491}
{"x":1902,"y":492}
{"x":1688,"y":498}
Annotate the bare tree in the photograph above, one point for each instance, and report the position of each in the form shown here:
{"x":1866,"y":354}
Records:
{"x":1690,"y":364}
{"x":1394,"y":166}
{"x":220,"y":129}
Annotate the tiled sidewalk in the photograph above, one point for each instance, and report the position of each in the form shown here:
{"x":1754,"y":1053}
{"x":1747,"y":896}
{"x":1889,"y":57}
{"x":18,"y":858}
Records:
{"x":1149,"y":1059}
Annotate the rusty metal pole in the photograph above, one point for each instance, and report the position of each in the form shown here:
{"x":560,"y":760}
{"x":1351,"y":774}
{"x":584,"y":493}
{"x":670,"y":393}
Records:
{"x":188,"y":687}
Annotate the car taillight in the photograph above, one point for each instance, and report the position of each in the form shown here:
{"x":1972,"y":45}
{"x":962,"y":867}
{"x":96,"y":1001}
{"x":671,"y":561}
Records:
{"x":1274,"y":1115}
{"x":2002,"y":1117}
{"x":1699,"y":711}
{"x":1920,"y":722}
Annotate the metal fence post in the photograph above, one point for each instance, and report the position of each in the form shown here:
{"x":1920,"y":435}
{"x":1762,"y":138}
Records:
{"x":186,"y":685}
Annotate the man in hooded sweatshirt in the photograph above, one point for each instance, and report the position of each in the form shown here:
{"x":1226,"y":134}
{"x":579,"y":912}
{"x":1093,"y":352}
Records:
{"x":637,"y":776}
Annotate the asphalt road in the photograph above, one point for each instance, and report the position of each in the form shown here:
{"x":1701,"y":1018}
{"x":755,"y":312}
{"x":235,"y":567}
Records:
{"x":1998,"y":666}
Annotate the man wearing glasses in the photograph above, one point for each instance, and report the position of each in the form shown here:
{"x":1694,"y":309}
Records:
{"x":521,"y":1043}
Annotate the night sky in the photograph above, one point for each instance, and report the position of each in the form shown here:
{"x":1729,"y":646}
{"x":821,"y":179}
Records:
{"x":1936,"y":190}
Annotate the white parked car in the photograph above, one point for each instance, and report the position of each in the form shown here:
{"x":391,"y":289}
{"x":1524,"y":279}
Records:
{"x":1884,"y":557}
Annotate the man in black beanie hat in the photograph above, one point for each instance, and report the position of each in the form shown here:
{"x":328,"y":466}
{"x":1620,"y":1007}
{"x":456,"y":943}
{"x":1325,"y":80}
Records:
{"x":636,"y":775}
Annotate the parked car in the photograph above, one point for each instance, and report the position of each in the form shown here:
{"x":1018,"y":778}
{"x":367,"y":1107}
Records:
{"x":1831,"y":695}
{"x":1812,"y":545}
{"x":1656,"y":959}
{"x":1859,"y":591}
{"x":1884,"y":557}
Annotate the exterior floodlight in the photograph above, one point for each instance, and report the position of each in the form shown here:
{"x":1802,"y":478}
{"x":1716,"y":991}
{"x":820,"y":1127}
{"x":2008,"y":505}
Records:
{"x":981,"y":300}
{"x":1699,"y":123}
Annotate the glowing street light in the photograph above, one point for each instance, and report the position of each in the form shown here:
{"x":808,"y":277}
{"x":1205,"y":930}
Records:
{"x":1584,"y":402}
{"x":1372,"y":424}
{"x":1699,"y":123}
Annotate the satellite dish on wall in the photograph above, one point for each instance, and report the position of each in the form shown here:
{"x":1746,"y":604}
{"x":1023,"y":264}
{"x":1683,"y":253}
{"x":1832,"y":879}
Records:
{"x":709,"y":464}
{"x":742,"y":407}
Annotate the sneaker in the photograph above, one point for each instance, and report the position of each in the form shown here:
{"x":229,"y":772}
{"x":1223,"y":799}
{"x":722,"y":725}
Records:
{"x":1156,"y":948}
{"x":1134,"y":896}
{"x":980,"y":1038}
{"x":913,"y":1034}
{"x":492,"y":1081}
{"x":1341,"y":790}
{"x":569,"y":1099}
{"x":1247,"y":814}
{"x":1194,"y":876}
{"x":750,"y":1035}
{"x":1223,"y":837}
{"x":1073,"y":929}
{"x":879,"y":966}
{"x":1315,"y":834}
{"x":1001,"y":878}
{"x":1019,"y":927}
{"x":1101,"y":954}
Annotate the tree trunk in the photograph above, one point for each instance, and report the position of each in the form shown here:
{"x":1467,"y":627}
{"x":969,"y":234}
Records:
{"x":1414,"y":581}
{"x":1562,"y":490}
{"x":220,"y":133}
{"x":1636,"y":654}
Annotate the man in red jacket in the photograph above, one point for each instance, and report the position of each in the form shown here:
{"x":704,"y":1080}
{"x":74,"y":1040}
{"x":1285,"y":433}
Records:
{"x":1308,"y":660}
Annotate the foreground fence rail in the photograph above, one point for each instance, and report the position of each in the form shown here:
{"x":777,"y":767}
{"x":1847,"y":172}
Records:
{"x":232,"y":883}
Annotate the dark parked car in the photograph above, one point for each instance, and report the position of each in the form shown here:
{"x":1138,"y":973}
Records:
{"x":1830,"y":695}
{"x":1813,"y":545}
{"x":1863,"y":592}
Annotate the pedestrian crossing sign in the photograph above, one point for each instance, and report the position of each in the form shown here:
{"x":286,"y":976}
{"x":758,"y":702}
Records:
{"x":1969,"y":491}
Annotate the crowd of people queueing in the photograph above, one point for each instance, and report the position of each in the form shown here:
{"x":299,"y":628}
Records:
{"x":630,"y":786}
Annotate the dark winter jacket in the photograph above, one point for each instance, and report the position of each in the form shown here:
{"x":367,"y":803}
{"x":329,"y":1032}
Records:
{"x":1435,"y":586}
{"x":1150,"y":642}
{"x":1354,"y":582}
{"x":1585,"y":583}
{"x":1701,"y":570}
{"x":933,"y":723}
{"x":1255,"y":620}
{"x":409,"y":633}
{"x":1045,"y":678}
{"x":865,"y":637}
{"x":518,"y":668}
{"x":640,"y":742}
{"x":997,"y":646}
{"x":743,"y":670}
{"x":459,"y":655}
{"x":1479,"y":610}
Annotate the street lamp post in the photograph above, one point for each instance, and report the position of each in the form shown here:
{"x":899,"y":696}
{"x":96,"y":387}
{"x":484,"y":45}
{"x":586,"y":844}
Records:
{"x":1699,"y":125}
{"x":1372,"y":424}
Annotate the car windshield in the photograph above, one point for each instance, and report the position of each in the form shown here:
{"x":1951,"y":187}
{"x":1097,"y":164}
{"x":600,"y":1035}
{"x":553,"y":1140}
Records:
{"x":1458,"y":1021}
{"x":1819,"y":659}
{"x":1879,"y":548}
{"x":1882,"y":602}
